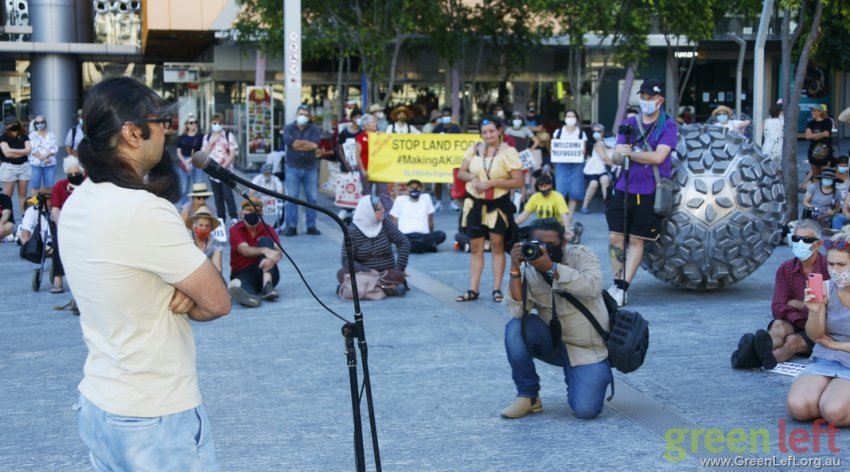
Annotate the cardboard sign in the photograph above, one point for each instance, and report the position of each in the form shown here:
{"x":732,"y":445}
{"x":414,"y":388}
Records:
{"x":527,"y":159}
{"x":425,"y":157}
{"x":269,"y":206}
{"x":349,"y":189}
{"x":349,"y":149}
{"x":219,"y":233}
{"x":567,"y":151}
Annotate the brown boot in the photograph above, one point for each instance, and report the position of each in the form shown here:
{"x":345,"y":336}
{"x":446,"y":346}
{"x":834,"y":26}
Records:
{"x":522,"y":406}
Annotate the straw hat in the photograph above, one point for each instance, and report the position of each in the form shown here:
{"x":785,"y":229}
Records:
{"x":199,"y":190}
{"x":434,"y":115}
{"x":401,"y":109}
{"x":203,"y":212}
{"x":722,"y":109}
{"x":375,"y":107}
{"x":247,"y":203}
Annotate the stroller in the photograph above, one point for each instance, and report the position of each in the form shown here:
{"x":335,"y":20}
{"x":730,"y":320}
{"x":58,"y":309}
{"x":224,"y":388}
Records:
{"x":36,"y":250}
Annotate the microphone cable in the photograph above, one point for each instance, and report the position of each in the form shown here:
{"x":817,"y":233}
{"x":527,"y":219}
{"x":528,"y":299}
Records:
{"x":294,"y":265}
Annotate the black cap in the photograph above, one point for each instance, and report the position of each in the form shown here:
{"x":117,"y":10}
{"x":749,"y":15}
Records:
{"x":10,"y":120}
{"x":652,"y":87}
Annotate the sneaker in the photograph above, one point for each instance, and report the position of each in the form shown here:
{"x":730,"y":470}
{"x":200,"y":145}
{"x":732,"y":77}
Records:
{"x":290,"y":232}
{"x":241,"y":295}
{"x":453,"y":206}
{"x":10,"y":238}
{"x":618,"y":294}
{"x":233,"y":221}
{"x":400,"y":290}
{"x":577,"y":229}
{"x":585,"y":211}
{"x":269,"y":293}
{"x":438,"y":206}
{"x":522,"y":406}
{"x":313,"y":231}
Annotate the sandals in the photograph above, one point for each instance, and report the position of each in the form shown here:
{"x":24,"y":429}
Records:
{"x":57,"y":290}
{"x":467,"y":296}
{"x":497,"y":296}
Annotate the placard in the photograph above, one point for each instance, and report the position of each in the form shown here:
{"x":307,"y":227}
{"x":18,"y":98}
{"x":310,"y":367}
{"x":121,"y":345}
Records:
{"x":567,"y":151}
{"x":219,"y":233}
{"x":258,"y":123}
{"x":269,"y":206}
{"x":527,"y":159}
{"x":349,"y":149}
{"x":428,"y":158}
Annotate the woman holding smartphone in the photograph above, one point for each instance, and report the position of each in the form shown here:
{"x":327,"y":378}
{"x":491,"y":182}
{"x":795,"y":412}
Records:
{"x":823,"y":389}
{"x":491,"y":169}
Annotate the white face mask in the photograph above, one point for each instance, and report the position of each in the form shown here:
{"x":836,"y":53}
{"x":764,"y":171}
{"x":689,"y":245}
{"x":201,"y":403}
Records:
{"x":446,"y":120}
{"x":516,"y":123}
{"x":216,"y":128}
{"x":500,"y":114}
{"x":380,"y":115}
{"x":301,"y":120}
{"x":570,"y":121}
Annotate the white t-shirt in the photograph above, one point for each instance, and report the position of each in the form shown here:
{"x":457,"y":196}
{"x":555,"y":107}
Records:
{"x":122,"y":249}
{"x":398,"y":128}
{"x":273,"y":183}
{"x":413,"y":215}
{"x":595,"y":165}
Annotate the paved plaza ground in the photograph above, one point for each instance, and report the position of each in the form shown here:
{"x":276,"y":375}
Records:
{"x":276,"y":387}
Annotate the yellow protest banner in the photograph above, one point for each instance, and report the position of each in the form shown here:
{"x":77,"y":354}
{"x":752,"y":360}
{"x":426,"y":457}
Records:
{"x":425,"y":157}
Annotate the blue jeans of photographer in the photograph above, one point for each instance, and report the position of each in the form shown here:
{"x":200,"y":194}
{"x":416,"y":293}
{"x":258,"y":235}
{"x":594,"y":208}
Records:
{"x":179,"y":441}
{"x":586,"y":384}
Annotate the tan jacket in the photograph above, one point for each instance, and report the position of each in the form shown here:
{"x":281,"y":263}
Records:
{"x":580,"y":274}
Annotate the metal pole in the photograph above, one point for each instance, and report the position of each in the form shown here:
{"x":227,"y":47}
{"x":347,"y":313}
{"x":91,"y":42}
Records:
{"x":291,"y":58}
{"x":739,"y":72}
{"x":759,"y":92}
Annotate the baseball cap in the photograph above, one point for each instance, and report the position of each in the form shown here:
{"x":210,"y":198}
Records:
{"x":652,"y":87}
{"x":267,"y":167}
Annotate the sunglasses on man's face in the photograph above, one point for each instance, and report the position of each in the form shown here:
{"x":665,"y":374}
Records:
{"x":191,"y":122}
{"x":805,"y":239}
{"x":199,"y":198}
{"x":39,"y":122}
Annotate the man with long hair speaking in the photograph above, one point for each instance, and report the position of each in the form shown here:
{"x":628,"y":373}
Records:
{"x":138,"y":279}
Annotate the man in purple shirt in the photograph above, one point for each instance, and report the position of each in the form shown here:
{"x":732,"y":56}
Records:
{"x":651,"y":143}
{"x":785,"y":336}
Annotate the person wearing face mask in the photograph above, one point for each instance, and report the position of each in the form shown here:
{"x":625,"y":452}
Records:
{"x":569,"y":178}
{"x":202,"y":224}
{"x":221,"y":146}
{"x":774,"y":130}
{"x":822,"y":390}
{"x":373,"y":236}
{"x":15,"y":148}
{"x":523,"y":139}
{"x":414,"y":215}
{"x":348,"y":135}
{"x":302,"y":140}
{"x":62,"y":189}
{"x":400,"y":116}
{"x":546,"y":203}
{"x":819,"y":134}
{"x":377,"y":111}
{"x":75,"y":135}
{"x":842,"y":174}
{"x":822,"y":200}
{"x":579,"y":351}
{"x":266,"y":180}
{"x":254,"y":255}
{"x":188,"y":143}
{"x":445,"y":125}
{"x":722,"y":116}
{"x":532,"y":119}
{"x":652,"y":147}
{"x":596,"y":175}
{"x":43,"y":156}
{"x":785,"y":335}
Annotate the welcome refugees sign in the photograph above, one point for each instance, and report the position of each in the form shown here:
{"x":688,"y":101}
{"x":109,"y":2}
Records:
{"x":567,"y":151}
{"x":425,"y":157}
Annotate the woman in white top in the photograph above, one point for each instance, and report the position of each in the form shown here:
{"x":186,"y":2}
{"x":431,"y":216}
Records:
{"x":773,"y":132}
{"x":569,"y":178}
{"x":723,"y":117}
{"x":595,"y":171}
{"x":43,"y":156}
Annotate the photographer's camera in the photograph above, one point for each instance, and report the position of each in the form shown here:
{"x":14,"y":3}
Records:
{"x":531,"y":250}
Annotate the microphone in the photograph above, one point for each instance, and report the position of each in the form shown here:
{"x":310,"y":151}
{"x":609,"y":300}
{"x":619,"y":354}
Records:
{"x":202,"y":161}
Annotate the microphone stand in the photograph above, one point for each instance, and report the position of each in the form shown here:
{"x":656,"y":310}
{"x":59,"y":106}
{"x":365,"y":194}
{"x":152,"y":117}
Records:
{"x":350,"y":331}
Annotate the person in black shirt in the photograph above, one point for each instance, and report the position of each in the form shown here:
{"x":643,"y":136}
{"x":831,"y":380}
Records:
{"x":819,"y":134}
{"x":349,"y":132}
{"x":15,"y":149}
{"x":188,"y":143}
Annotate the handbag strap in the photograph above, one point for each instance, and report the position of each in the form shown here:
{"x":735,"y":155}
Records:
{"x":644,"y":135}
{"x":584,"y":311}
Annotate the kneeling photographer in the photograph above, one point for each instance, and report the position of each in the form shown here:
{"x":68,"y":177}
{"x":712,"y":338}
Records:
{"x":570,"y":341}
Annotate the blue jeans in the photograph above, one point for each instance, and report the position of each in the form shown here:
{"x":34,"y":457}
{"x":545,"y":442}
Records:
{"x":180,"y":441}
{"x":586,"y":384}
{"x":42,"y":177}
{"x":838,"y":221}
{"x":569,"y":181}
{"x":296,"y":178}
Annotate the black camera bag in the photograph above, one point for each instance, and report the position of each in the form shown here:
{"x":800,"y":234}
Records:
{"x":33,"y":249}
{"x":628,"y":339}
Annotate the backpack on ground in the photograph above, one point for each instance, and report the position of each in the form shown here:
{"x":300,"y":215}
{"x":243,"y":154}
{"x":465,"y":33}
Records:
{"x":628,"y":339}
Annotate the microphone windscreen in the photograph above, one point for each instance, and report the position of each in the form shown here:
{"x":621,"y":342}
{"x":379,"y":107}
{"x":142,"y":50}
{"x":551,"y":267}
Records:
{"x":200,"y":160}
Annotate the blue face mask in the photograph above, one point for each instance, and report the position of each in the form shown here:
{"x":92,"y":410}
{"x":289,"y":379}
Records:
{"x":802,"y":250}
{"x":722,"y":118}
{"x":843,"y":169}
{"x":648,"y":107}
{"x":446,"y":120}
{"x":826,"y":183}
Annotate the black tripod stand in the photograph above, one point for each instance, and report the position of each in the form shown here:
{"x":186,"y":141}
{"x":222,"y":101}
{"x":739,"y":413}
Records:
{"x":350,"y":330}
